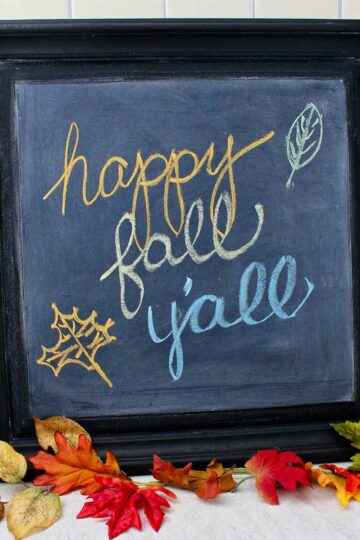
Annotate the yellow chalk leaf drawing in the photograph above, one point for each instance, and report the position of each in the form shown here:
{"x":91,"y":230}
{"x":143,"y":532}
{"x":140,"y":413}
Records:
{"x":78,"y":342}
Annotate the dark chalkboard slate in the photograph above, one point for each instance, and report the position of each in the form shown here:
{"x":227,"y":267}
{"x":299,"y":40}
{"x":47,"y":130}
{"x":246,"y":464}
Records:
{"x":179,"y":235}
{"x":268,"y":314}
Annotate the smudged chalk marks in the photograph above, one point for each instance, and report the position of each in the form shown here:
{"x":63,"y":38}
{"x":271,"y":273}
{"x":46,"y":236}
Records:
{"x":304,"y":139}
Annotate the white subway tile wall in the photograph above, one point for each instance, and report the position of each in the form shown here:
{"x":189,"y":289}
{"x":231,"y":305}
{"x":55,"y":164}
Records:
{"x":99,"y":9}
{"x":210,"y":8}
{"x":119,"y":9}
{"x":34,"y":9}
{"x":318,"y":9}
{"x":351,"y":9}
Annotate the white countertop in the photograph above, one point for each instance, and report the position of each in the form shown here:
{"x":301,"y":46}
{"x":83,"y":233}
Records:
{"x":308,"y":514}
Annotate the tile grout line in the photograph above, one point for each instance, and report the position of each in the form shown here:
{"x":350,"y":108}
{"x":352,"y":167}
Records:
{"x":340,"y":9}
{"x":254,"y":9}
{"x":70,"y":13}
{"x":165,"y":10}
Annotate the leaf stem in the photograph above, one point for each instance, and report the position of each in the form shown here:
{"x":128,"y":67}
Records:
{"x":241,"y":482}
{"x":288,"y":183}
{"x":238,"y":470}
{"x":24,"y":484}
{"x":150,"y":484}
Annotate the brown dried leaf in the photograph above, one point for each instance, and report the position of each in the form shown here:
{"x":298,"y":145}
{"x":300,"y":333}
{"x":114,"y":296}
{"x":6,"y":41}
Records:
{"x":46,"y":429}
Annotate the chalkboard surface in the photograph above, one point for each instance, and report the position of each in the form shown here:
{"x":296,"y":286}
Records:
{"x":206,"y":223}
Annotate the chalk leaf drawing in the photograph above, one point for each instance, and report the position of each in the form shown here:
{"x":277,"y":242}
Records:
{"x":78,"y":342}
{"x":304,"y":139}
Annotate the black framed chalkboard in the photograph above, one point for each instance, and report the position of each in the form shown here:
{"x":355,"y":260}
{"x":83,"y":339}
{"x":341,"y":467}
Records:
{"x":179,"y":234}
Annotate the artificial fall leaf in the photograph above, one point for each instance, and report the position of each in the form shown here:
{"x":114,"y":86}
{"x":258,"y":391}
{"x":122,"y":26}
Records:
{"x":78,"y":342}
{"x":273,"y":466}
{"x":349,"y":430}
{"x":45,"y":431}
{"x":2,"y":510}
{"x":13,"y":465}
{"x":346,"y":483}
{"x":72,"y":468}
{"x":356,"y":463}
{"x":120,"y":501}
{"x":206,"y":484}
{"x":32,"y":511}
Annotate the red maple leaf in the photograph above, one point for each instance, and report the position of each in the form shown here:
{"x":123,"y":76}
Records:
{"x":273,"y":466}
{"x":121,"y":500}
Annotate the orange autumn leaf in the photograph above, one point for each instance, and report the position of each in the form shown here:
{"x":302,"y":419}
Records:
{"x":74,"y":468}
{"x":346,"y":483}
{"x":206,"y":484}
{"x":272,"y":467}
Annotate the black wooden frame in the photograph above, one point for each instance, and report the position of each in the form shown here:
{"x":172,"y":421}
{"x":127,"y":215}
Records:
{"x":55,"y":50}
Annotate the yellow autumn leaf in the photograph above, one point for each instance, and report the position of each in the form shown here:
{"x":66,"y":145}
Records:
{"x":34,"y":510}
{"x":337,"y":482}
{"x":13,"y":465}
{"x":46,"y":429}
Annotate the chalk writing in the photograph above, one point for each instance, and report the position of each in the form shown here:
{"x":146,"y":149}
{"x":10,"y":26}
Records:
{"x":246,"y":308}
{"x":303,"y":142}
{"x":304,"y":139}
{"x":129,"y":269}
{"x":78,"y":342}
{"x":170,"y":175}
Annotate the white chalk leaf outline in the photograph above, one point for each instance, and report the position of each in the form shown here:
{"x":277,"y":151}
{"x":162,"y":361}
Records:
{"x":304,"y":139}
